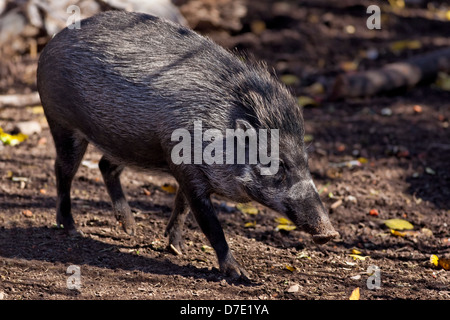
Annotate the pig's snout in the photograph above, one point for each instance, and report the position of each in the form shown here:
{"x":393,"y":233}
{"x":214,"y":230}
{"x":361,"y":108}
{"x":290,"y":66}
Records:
{"x":321,"y":230}
{"x":309,"y":214}
{"x":317,"y":224}
{"x":325,"y":237}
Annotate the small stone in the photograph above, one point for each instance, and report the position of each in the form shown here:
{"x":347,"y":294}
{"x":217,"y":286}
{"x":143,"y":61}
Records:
{"x":28,"y":127}
{"x":293,"y":288}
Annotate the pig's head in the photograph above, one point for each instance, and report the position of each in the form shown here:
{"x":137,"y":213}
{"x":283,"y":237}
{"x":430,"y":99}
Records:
{"x":282,"y":181}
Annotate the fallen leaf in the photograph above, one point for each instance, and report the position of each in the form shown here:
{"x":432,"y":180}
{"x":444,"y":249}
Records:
{"x":169,"y":188}
{"x":290,"y":268}
{"x":356,"y":251}
{"x":206,"y":248}
{"x":250,"y":224}
{"x":405,"y":45}
{"x":247,"y":208}
{"x":444,"y":263}
{"x":284,"y":224}
{"x":434,"y":260}
{"x":349,"y":66}
{"x":303,"y":255}
{"x":43,"y":191}
{"x":289,"y":79}
{"x":27,"y":213}
{"x":398,"y":224}
{"x":308,"y":138}
{"x":440,"y":262}
{"x":398,"y":233}
{"x":358,"y":257}
{"x":315,"y":89}
{"x":282,"y":220}
{"x":37,"y":110}
{"x":12,"y":139}
{"x":285,"y":227}
{"x":257,"y":26}
{"x":355,"y":294}
{"x":443,"y":81}
{"x":304,"y":101}
{"x":374,"y":213}
{"x":417,"y":109}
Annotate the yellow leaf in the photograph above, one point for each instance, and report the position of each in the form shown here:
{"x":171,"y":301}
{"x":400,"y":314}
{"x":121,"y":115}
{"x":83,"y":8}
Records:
{"x":289,"y":79}
{"x":354,"y":251}
{"x":304,"y":101}
{"x":12,"y":139}
{"x":398,"y":224}
{"x":405,"y":44}
{"x":448,"y":15}
{"x":397,"y":3}
{"x":206,"y":248}
{"x":169,"y":188}
{"x":441,"y":262}
{"x":349,"y":65}
{"x":358,"y":257}
{"x":282,"y":220}
{"x":315,"y":89}
{"x":37,"y":110}
{"x":290,"y":268}
{"x":257,"y":26}
{"x":398,"y":233}
{"x":363,"y":160}
{"x":443,"y":81}
{"x":308,"y":138}
{"x":247,"y":208}
{"x":285,"y":227}
{"x":250,"y":224}
{"x":354,"y":295}
{"x":434,"y":260}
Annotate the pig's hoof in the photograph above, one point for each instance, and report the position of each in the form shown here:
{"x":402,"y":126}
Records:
{"x":129,"y":227}
{"x":324,"y":238}
{"x":175,"y":249}
{"x":232,"y":269}
{"x":176,"y":246}
{"x":74,"y":233}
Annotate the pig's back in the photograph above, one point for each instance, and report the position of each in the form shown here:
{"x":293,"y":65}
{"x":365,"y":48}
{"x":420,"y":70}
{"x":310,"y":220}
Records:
{"x":127,"y":79}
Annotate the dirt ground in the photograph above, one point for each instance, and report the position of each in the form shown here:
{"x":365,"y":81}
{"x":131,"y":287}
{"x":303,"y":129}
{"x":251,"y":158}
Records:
{"x":406,"y":176}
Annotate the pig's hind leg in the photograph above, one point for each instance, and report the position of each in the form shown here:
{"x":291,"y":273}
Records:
{"x":174,"y":229}
{"x":70,"y":148}
{"x":111,"y":175}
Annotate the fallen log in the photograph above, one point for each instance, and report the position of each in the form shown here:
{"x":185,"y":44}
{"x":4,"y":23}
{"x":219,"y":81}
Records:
{"x":19,"y":100}
{"x":394,"y":76}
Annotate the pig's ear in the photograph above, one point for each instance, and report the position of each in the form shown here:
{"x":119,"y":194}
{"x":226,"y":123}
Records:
{"x":243,"y":124}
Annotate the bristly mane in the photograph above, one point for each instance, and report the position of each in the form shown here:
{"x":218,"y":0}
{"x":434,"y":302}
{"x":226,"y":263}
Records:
{"x":269,"y":100}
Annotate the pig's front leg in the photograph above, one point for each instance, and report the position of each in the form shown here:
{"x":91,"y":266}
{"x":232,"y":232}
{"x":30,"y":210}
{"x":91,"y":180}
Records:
{"x":206,"y":217}
{"x":197,"y":194}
